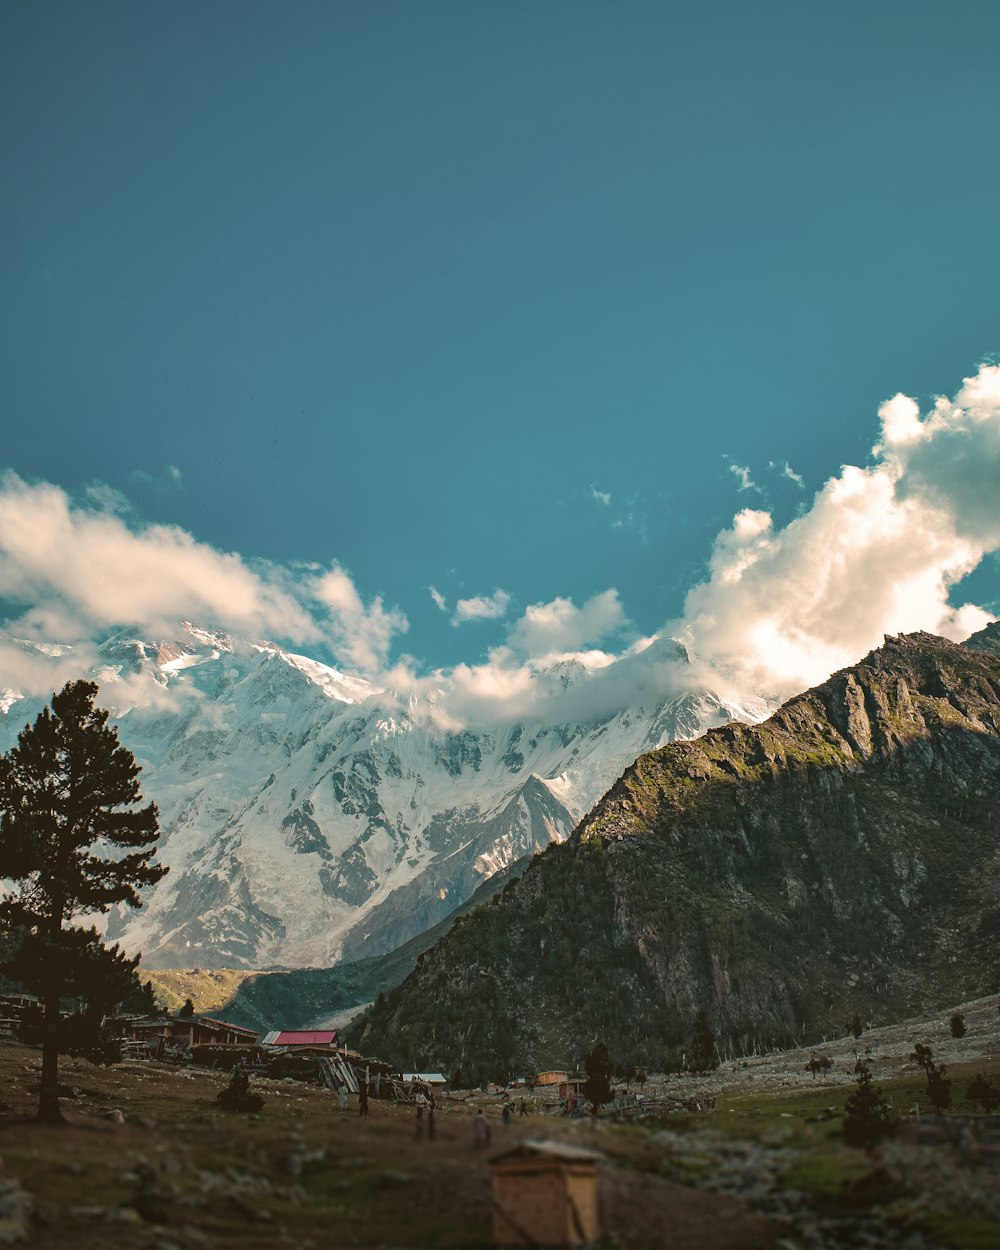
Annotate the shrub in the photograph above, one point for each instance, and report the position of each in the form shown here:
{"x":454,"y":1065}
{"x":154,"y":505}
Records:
{"x":868,"y":1116}
{"x":985,"y":1092}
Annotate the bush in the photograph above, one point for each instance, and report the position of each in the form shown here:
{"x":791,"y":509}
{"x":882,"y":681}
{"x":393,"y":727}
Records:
{"x":236,"y":1096}
{"x":985,"y":1092}
{"x":957,"y":1023}
{"x":868,"y":1117}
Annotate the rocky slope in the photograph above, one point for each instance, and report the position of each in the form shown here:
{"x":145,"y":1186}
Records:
{"x":842,"y":856}
{"x":309,"y":817}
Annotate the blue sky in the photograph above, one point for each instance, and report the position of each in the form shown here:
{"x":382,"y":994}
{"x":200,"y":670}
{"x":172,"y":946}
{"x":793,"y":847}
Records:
{"x":483,"y":296}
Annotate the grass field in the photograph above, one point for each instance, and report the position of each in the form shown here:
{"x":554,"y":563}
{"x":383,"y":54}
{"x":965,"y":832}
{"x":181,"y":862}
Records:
{"x":179,"y":1172}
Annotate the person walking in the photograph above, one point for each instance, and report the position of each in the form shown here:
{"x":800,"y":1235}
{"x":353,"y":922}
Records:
{"x":480,"y":1130}
{"x":523,"y":1109}
{"x":421,"y":1102}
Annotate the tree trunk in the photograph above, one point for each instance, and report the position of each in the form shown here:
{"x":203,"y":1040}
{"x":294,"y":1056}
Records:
{"x":48,"y":1096}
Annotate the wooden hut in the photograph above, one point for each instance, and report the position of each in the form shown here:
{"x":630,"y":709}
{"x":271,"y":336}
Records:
{"x":545,"y":1194}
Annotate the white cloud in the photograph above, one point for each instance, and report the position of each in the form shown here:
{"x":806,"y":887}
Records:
{"x":170,"y":479}
{"x":741,"y":472}
{"x":481,"y":608}
{"x":559,"y":626}
{"x":87,"y":568}
{"x":784,"y":469}
{"x":361,"y":635}
{"x":878,"y":551}
{"x":601,"y":496}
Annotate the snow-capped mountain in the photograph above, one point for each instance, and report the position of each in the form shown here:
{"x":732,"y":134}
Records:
{"x":308,"y":816}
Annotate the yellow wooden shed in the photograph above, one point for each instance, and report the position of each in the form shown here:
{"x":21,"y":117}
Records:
{"x":545,"y":1194}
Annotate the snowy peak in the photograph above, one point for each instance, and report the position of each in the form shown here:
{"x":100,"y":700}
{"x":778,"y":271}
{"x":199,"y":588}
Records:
{"x":309,"y":816}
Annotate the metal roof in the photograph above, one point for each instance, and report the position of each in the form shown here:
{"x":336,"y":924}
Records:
{"x":314,"y":1037}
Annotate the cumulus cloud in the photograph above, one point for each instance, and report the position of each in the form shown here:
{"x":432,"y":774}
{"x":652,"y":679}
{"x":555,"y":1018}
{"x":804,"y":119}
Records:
{"x":481,"y":608}
{"x":878,"y":552}
{"x":547,"y":667}
{"x":559,"y":626}
{"x":601,"y":496}
{"x":361,"y":634}
{"x":87,"y":568}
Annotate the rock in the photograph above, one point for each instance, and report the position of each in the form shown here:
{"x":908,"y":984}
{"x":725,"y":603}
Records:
{"x":391,"y":1177}
{"x":16,"y":1209}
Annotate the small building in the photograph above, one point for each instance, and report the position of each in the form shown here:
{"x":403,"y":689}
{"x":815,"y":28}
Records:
{"x":551,"y":1078}
{"x":435,"y":1080}
{"x":545,"y":1194}
{"x":183,"y":1032}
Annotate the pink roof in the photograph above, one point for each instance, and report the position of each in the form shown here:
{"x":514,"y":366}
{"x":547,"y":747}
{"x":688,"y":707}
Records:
{"x":326,"y":1038}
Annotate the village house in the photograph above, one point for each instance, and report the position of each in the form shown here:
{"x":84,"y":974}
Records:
{"x":433,"y":1080}
{"x":551,"y":1078}
{"x":182,"y":1032}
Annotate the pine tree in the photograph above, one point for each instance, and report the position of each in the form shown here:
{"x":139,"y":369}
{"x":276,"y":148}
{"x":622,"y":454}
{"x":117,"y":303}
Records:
{"x":68,"y":792}
{"x":938,"y":1089}
{"x":597,"y":1087}
{"x":187,"y":1010}
{"x":704,"y":1054}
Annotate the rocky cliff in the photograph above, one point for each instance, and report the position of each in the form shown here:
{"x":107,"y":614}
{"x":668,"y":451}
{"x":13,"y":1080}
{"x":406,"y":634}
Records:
{"x":842,"y":856}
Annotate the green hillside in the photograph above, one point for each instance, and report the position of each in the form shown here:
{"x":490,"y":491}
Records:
{"x":842,"y":857}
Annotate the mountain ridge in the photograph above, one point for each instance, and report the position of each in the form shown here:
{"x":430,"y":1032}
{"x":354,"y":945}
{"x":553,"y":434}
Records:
{"x":309,"y":816}
{"x":839,"y":856}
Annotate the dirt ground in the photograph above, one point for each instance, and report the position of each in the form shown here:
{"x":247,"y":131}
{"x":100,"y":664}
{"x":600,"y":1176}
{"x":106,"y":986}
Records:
{"x":147,"y":1160}
{"x":179,"y":1172}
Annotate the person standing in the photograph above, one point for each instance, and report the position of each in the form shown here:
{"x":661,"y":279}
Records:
{"x":480,"y":1130}
{"x":421,"y":1102}
{"x":430,"y":1119}
{"x":342,"y":1097}
{"x":363,"y":1102}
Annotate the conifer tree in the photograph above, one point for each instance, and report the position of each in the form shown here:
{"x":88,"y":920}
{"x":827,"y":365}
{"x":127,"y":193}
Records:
{"x":597,"y":1087}
{"x":704,"y":1052}
{"x":938,"y":1089}
{"x":74,"y":840}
